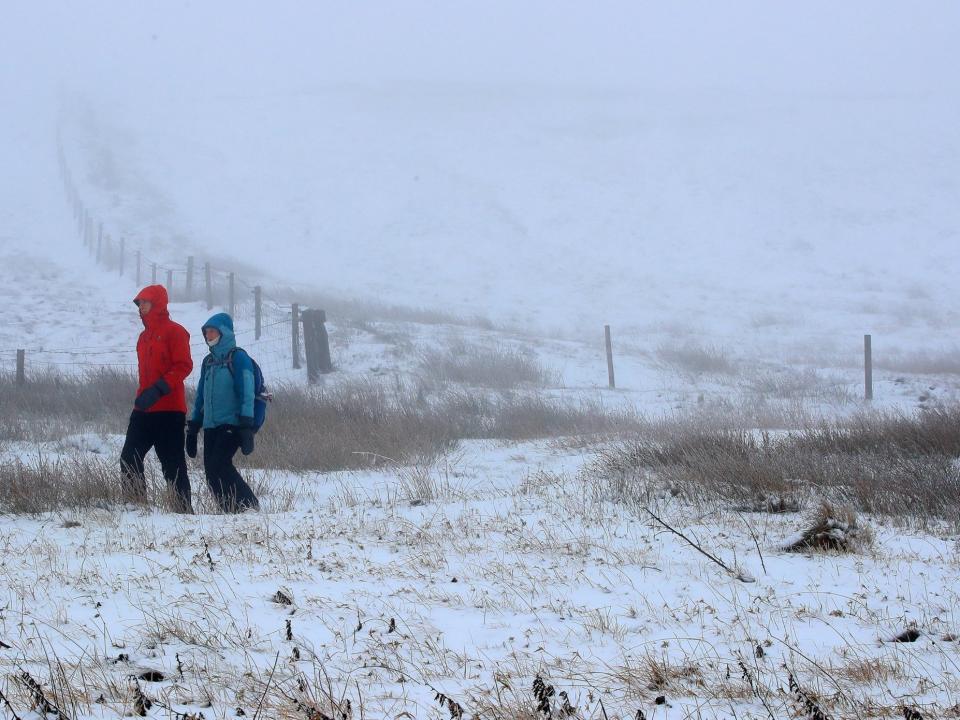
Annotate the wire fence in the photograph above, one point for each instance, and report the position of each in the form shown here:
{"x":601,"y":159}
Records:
{"x":273,"y":330}
{"x":269,"y":328}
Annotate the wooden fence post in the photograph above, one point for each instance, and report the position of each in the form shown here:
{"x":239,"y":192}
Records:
{"x":295,"y":330}
{"x":153,"y":273}
{"x":208,"y":280}
{"x":123,"y":247}
{"x":99,"y":241}
{"x":189,"y":285}
{"x":610,"y":379}
{"x":21,"y":367}
{"x":233,"y":295}
{"x":867,"y":368}
{"x":170,"y":284}
{"x":258,"y":311}
{"x":316,"y":344}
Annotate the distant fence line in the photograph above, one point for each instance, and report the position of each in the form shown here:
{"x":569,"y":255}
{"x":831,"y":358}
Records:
{"x":283,"y":333}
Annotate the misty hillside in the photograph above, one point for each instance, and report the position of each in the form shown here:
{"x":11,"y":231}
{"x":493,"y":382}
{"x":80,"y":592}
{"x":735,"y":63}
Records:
{"x":719,"y":170}
{"x":465,"y":515}
{"x":558,"y":210}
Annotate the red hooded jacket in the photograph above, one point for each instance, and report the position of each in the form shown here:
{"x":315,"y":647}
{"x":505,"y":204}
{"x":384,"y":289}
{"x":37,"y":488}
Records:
{"x":163,"y":351}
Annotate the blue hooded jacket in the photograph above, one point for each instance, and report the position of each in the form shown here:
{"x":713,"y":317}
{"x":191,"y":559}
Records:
{"x":224,"y":397}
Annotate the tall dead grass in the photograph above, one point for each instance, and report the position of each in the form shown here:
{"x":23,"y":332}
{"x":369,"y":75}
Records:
{"x":494,"y":366}
{"x":49,"y":485}
{"x":51,"y":404}
{"x":937,"y":362}
{"x":695,"y":359}
{"x":883,"y":463}
{"x":807,"y":384}
{"x":348,"y":426}
{"x":367,"y":424}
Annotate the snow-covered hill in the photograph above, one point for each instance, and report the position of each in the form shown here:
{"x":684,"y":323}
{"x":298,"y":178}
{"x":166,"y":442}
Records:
{"x":770,"y":181}
{"x":741,"y":189}
{"x":561,"y":210}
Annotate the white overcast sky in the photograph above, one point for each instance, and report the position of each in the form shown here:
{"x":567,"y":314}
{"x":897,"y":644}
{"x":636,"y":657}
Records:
{"x":879,"y":78}
{"x":119,"y":46}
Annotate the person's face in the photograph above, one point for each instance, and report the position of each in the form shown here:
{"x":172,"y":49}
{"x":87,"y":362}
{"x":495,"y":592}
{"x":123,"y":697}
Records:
{"x":145,"y":306}
{"x":211,"y":334}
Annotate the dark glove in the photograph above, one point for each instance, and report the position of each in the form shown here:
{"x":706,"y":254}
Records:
{"x":149,"y":397}
{"x":245,"y":432}
{"x":193,"y":429}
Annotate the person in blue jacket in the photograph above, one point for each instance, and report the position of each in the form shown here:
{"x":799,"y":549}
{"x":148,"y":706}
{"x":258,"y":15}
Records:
{"x":224,"y":410}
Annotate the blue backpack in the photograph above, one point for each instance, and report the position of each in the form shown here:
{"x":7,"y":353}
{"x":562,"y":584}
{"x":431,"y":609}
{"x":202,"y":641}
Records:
{"x":260,"y":395}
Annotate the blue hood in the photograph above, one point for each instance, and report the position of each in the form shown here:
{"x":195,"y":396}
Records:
{"x":228,"y":341}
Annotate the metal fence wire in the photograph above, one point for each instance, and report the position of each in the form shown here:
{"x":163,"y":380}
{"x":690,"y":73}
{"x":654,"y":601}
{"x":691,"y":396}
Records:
{"x":287,"y":340}
{"x":267,"y":326}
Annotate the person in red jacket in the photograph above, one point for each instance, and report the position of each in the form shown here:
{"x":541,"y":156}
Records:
{"x":160,"y":408}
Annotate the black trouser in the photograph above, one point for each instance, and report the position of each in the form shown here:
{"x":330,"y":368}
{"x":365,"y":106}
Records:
{"x":164,"y":432}
{"x":227,"y":486}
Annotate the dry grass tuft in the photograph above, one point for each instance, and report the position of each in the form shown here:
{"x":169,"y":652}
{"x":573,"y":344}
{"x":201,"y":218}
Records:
{"x":369,"y":424}
{"x":695,"y":359}
{"x":730,"y":464}
{"x":873,"y":671}
{"x":79,"y":481}
{"x":59,"y":484}
{"x":427,"y":482}
{"x":660,"y":674}
{"x":495,"y":366}
{"x":942,"y":362}
{"x":831,"y":527}
{"x":349,"y":426}
{"x":52,"y":404}
{"x":889,"y":464}
{"x":932,"y":431}
{"x":808,"y":384}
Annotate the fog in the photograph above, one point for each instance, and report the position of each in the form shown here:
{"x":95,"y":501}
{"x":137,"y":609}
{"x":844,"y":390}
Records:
{"x":184,"y":48}
{"x":502,"y":154}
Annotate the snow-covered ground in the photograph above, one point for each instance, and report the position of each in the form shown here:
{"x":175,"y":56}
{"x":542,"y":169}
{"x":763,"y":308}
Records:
{"x":515,"y":567}
{"x":741,"y":236}
{"x":469,"y":578}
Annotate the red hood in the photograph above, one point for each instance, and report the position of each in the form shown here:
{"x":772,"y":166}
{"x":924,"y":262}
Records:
{"x":157,"y":295}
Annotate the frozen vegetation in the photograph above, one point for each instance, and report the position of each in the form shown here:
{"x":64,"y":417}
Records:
{"x":463,"y":520}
